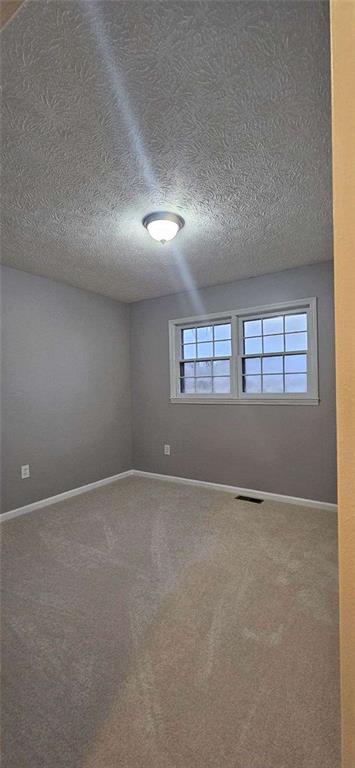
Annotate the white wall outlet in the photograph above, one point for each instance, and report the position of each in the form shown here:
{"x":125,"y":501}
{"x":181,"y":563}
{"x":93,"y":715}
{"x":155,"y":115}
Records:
{"x":25,"y":471}
{"x":166,"y":450}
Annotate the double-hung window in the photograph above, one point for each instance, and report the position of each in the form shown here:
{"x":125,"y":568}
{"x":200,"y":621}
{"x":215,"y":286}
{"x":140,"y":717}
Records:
{"x":205,"y":359}
{"x":261,"y":355}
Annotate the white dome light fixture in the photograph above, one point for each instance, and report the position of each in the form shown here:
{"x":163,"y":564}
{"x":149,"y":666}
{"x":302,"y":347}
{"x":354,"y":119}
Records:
{"x":163,"y":225}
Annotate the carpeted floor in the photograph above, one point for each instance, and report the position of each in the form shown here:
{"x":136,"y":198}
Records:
{"x":149,"y":624}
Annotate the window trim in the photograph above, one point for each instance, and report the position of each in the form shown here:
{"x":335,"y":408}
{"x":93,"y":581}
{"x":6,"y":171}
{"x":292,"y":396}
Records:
{"x":236,"y":317}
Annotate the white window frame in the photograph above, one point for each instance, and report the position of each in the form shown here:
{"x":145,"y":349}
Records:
{"x":236,"y":318}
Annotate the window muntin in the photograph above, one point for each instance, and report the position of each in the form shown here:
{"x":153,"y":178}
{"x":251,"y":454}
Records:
{"x":275,"y":354}
{"x":262,"y":355}
{"x":204,"y":360}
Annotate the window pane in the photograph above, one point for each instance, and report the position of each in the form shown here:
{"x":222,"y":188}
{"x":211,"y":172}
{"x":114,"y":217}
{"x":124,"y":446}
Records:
{"x":187,"y":369}
{"x":221,"y":384}
{"x":221,"y":368}
{"x":253,"y":346}
{"x":222,"y":348}
{"x":272,"y":365}
{"x":252,"y":327}
{"x":204,"y":369}
{"x":273,"y":343}
{"x":297,"y":363}
{"x":205,"y":349}
{"x":273,"y":325}
{"x":205,"y":333}
{"x":296,"y":341}
{"x":296,"y":382}
{"x":296,"y":323}
{"x":273,"y":384}
{"x":189,"y":336}
{"x":203,"y":386}
{"x":252,"y":384}
{"x":189,"y":350}
{"x":252,"y":365}
{"x":187,"y":386}
{"x":222,"y":331}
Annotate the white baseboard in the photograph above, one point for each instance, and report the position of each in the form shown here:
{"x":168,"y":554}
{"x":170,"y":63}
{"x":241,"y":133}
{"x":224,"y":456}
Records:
{"x":236,"y":490}
{"x":63,"y":496}
{"x":325,"y":505}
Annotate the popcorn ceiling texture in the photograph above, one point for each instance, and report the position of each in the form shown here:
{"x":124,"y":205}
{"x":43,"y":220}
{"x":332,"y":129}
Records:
{"x":217,"y":110}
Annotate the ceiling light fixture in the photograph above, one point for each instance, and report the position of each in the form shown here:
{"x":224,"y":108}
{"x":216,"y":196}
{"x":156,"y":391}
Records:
{"x":163,"y":225}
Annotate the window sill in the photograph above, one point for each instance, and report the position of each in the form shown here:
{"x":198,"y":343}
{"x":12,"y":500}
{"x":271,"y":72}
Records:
{"x":246,"y":400}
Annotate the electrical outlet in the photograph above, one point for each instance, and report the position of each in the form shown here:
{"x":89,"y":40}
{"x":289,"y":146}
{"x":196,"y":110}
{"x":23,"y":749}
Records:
{"x":25,"y":471}
{"x":166,"y":450}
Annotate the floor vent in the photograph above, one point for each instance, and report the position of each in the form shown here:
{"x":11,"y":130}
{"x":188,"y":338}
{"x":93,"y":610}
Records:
{"x":250,"y":498}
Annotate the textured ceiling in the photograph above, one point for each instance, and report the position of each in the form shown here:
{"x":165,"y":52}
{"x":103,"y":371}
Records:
{"x":217,"y":110}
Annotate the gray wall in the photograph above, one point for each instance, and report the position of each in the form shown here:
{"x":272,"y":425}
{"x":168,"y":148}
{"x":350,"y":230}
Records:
{"x":283,"y":449}
{"x":65,"y":387}
{"x":66,"y":393}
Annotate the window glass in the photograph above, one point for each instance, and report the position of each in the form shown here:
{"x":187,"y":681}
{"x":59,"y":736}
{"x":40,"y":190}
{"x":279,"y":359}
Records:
{"x":272,"y":365}
{"x":188,"y":351}
{"x":252,"y":327}
{"x":221,"y":384}
{"x":188,"y":386}
{"x":222,"y":331}
{"x":273,"y":343}
{"x":273,"y":325}
{"x":204,"y":385}
{"x":252,"y":365}
{"x":189,"y":335}
{"x":253,"y":346}
{"x":296,"y":363}
{"x":296,"y":382}
{"x":252,"y":384}
{"x":204,"y":368}
{"x":205,"y":349}
{"x":273,"y":383}
{"x":221,"y":368}
{"x":187,"y":369}
{"x":296,"y":322}
{"x":222,"y":349}
{"x":205,"y":334}
{"x":296,"y":341}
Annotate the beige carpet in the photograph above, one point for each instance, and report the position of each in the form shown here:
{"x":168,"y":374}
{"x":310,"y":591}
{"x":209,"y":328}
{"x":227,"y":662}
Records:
{"x":155,"y":625}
